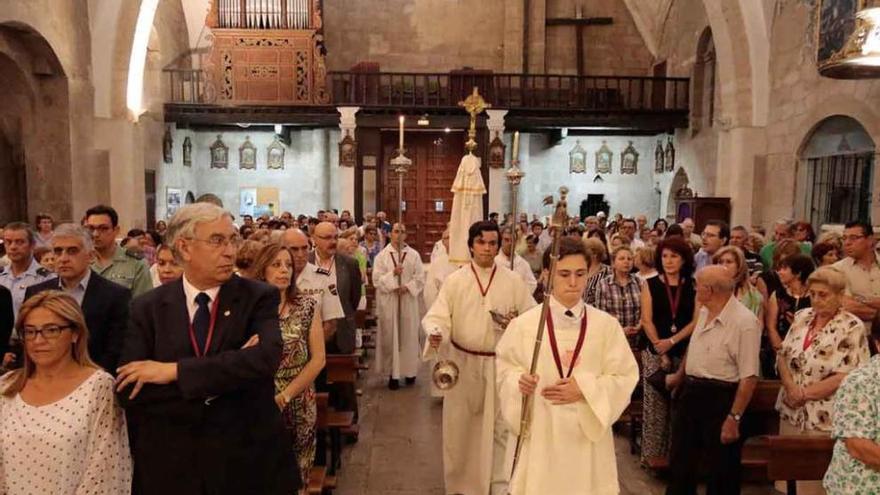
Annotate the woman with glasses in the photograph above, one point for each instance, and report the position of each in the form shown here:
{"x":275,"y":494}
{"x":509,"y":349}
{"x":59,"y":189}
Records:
{"x":371,"y":243}
{"x":60,"y":428}
{"x":303,"y":355}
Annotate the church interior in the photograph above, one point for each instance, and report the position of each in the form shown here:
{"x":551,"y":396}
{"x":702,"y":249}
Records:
{"x":734,"y":109}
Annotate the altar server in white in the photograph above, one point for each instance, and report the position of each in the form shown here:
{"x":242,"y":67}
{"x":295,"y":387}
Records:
{"x":585,"y":376}
{"x":465,"y":322}
{"x":520,"y":266}
{"x":399,"y":277}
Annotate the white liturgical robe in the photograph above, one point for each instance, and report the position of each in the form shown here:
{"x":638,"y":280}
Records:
{"x":570,"y":448}
{"x":398,"y":351}
{"x":521,"y":267}
{"x":474,"y":438}
{"x":467,"y":207}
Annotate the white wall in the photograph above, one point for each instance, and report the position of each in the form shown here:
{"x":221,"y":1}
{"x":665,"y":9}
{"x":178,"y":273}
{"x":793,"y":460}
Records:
{"x":305,"y":183}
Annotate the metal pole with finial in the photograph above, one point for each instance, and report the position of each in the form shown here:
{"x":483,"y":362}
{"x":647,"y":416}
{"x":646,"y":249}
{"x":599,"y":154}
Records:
{"x":514,"y":177}
{"x":401,"y":165}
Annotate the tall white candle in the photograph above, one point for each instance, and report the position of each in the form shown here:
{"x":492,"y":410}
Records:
{"x":401,"y":119}
{"x":515,"y":155}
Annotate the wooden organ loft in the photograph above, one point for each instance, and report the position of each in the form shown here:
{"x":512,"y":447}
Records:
{"x":266,"y":52}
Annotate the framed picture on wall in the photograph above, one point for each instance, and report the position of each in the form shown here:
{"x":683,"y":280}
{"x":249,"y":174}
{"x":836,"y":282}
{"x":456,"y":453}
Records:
{"x":247,"y":200}
{"x":247,"y":154}
{"x":173,"y":200}
{"x":219,"y":153}
{"x":275,"y":153}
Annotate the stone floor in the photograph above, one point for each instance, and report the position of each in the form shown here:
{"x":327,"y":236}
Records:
{"x":399,"y":448}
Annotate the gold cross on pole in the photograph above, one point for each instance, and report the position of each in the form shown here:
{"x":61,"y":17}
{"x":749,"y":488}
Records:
{"x":474,"y":105}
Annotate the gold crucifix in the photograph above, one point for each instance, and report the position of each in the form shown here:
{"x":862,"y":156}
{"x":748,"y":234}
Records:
{"x":474,"y":105}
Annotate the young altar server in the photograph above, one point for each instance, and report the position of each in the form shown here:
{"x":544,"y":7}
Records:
{"x":464,"y":324}
{"x":399,"y":277}
{"x":520,"y":266}
{"x":585,"y":375}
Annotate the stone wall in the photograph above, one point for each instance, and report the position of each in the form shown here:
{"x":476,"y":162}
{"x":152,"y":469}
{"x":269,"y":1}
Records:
{"x":308,"y":182}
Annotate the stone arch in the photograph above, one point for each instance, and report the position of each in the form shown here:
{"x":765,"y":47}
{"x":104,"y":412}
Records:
{"x":34,"y":126}
{"x":734,"y":64}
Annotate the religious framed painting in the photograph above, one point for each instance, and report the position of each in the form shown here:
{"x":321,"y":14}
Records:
{"x":187,"y":152}
{"x":577,"y":159}
{"x":659,"y":154}
{"x":835,"y":22}
{"x":167,"y":146}
{"x":669,"y":160}
{"x":219,"y":154}
{"x":629,"y":160}
{"x":173,"y":200}
{"x":604,"y":158}
{"x":247,"y":154}
{"x":496,"y":153}
{"x":347,"y":151}
{"x":247,"y":200}
{"x":275,"y":155}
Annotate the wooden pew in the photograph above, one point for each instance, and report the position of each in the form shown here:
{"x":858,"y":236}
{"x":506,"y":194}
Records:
{"x":340,"y":368}
{"x":798,"y":458}
{"x":318,"y":474}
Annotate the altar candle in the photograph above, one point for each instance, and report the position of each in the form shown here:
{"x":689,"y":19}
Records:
{"x":401,"y":119}
{"x":515,"y":155}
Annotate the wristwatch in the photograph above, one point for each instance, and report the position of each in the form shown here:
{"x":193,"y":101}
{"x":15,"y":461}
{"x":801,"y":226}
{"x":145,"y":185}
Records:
{"x":736,"y":417}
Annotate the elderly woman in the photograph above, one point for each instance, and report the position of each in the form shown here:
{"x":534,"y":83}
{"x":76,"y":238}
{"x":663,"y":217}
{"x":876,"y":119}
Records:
{"x":371,"y":243}
{"x":303,"y":355}
{"x":732,"y":258}
{"x":166,"y":269}
{"x":597,"y":269}
{"x":826,"y":253}
{"x":620,"y":293}
{"x":824,"y":343}
{"x":60,"y":428}
{"x":855,"y":465}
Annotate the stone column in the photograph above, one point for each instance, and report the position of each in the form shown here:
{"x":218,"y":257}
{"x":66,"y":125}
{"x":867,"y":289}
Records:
{"x":497,"y":181}
{"x":347,"y":125}
{"x":738,"y":150}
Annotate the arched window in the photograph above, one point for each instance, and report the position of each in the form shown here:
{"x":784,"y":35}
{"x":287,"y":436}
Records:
{"x":839,"y":163}
{"x":703,"y":106}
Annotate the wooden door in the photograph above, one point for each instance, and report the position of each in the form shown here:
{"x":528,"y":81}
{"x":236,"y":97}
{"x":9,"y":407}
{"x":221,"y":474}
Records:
{"x":426,"y":186}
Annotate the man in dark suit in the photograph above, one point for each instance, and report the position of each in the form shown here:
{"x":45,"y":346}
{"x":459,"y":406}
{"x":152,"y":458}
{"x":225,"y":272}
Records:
{"x":197,"y":374}
{"x":7,"y":319}
{"x":104,"y":303}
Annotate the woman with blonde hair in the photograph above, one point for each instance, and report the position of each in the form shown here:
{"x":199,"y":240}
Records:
{"x":303,"y":355}
{"x":596,"y":266}
{"x":734,"y":260}
{"x":60,"y":428}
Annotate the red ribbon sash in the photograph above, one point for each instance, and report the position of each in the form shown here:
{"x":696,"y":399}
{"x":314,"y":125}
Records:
{"x":192,"y":333}
{"x":394,"y":260}
{"x":485,"y":291}
{"x":673,"y":302}
{"x":811,"y":334}
{"x":555,"y":348}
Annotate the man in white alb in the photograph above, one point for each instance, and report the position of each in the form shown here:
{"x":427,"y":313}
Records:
{"x":520,"y":266}
{"x":464,"y":324}
{"x":399,"y":277}
{"x":585,"y":376}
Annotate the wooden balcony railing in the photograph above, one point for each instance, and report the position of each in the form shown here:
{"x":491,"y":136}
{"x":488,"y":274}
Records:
{"x":512,"y":91}
{"x":263,"y":14}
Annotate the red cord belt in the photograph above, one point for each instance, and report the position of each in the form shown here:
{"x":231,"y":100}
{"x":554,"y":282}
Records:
{"x":474,"y":353}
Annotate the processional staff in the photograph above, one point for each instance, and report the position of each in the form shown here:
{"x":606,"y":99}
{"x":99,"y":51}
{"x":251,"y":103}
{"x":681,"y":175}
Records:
{"x":558,"y":220}
{"x":514,"y":177}
{"x":401,"y":164}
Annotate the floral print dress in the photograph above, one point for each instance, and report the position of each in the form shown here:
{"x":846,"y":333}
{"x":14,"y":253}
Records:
{"x":301,"y":412}
{"x":839,"y":347}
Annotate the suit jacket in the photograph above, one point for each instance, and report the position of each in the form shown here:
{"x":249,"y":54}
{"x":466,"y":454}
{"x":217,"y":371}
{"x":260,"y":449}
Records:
{"x":105,"y":307}
{"x":216,"y":430}
{"x":348,"y":288}
{"x":7,"y":319}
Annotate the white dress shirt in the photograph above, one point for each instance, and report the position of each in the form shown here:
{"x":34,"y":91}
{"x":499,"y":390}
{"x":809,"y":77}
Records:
{"x":191,"y":293}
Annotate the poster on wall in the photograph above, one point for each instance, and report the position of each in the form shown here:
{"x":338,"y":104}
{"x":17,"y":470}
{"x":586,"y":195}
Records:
{"x":173,"y":200}
{"x":247,"y":200}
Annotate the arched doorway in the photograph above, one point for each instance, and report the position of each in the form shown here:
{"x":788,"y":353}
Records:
{"x":838,"y":168}
{"x":34,"y":127}
{"x":679,"y":181}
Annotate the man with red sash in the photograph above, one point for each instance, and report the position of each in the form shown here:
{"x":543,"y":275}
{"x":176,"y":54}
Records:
{"x":464,"y":324}
{"x":197,"y":375}
{"x":585,"y":375}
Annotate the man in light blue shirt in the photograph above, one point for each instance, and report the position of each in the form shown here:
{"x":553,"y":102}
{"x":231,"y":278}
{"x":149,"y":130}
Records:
{"x":23,"y":270}
{"x":716,"y":233}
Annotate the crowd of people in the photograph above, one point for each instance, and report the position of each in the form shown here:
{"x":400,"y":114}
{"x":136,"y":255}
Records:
{"x":212,"y":336}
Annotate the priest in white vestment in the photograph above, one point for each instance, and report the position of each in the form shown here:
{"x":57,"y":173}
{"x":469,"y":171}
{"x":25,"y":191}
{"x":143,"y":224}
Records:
{"x":520,"y":266}
{"x":464,"y":324}
{"x":585,"y":376}
{"x":399,"y":278}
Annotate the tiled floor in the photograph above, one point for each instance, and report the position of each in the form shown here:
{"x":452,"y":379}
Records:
{"x":399,"y":451}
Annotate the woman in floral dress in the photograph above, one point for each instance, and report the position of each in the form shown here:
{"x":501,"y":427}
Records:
{"x":303,"y":354}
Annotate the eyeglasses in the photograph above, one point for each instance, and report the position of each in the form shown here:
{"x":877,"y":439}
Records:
{"x":48,"y":332}
{"x":70,"y":250}
{"x":852,"y":238}
{"x":218,"y":241}
{"x":103,"y":229}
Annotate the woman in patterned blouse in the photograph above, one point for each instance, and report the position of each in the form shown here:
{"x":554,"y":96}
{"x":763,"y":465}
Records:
{"x":824,"y":343}
{"x":619,"y":294}
{"x":855,"y":465}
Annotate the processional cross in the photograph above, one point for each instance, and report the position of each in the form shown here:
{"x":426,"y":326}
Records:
{"x":473,"y":105}
{"x":580,"y":23}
